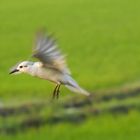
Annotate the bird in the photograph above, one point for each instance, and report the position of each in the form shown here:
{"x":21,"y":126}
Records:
{"x":51,"y":66}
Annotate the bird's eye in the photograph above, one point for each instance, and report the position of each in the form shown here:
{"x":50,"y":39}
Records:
{"x":21,"y":67}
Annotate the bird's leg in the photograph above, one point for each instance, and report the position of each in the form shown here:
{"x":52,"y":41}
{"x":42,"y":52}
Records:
{"x":58,"y":91}
{"x":55,"y":91}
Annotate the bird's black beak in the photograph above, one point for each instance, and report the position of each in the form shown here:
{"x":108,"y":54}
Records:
{"x":13,"y":71}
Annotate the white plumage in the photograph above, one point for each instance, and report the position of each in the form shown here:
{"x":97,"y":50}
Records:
{"x":52,"y":65}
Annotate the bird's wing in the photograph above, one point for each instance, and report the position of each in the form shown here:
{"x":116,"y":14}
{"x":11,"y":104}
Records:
{"x":47,"y":52}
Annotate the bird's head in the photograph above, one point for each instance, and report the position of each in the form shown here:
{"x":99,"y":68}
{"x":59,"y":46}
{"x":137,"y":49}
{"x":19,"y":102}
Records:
{"x":22,"y":67}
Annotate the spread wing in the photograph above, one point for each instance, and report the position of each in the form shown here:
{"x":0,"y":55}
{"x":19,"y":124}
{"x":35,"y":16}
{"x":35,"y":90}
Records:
{"x":47,"y":52}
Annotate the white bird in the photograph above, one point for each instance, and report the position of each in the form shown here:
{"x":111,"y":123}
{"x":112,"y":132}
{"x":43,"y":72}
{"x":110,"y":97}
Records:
{"x":52,"y":65}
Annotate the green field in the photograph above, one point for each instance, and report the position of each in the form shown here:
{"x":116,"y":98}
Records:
{"x":101,"y":40}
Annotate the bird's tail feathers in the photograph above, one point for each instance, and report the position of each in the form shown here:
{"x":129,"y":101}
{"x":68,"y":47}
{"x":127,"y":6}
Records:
{"x":73,"y":86}
{"x":78,"y":90}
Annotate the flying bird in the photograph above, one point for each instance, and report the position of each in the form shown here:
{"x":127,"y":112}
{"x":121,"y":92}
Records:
{"x":51,"y":65}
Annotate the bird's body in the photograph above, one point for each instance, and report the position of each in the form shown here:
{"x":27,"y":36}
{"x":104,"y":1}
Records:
{"x":52,"y":66}
{"x":38,"y":70}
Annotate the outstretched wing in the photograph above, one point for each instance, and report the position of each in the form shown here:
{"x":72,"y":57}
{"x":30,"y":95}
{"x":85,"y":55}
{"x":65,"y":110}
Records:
{"x":47,"y":52}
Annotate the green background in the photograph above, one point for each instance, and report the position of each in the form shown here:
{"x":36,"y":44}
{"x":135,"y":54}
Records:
{"x":102,"y":41}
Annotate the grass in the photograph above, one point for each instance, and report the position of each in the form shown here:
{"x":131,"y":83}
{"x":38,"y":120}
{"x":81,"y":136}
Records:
{"x":106,"y":127}
{"x":101,"y":39}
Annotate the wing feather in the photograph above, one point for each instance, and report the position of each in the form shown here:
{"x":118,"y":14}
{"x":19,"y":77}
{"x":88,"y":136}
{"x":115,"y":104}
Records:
{"x":47,"y":52}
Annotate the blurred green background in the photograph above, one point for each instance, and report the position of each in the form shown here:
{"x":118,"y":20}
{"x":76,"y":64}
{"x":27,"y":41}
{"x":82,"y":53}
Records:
{"x":101,"y":40}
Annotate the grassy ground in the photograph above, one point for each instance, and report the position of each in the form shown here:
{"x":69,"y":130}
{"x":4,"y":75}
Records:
{"x":101,"y":39}
{"x":105,"y":127}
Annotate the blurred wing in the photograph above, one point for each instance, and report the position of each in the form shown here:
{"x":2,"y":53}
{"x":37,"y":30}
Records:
{"x":47,"y":52}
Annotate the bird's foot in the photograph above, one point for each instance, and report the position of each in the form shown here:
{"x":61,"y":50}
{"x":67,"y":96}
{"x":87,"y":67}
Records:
{"x":56,"y":92}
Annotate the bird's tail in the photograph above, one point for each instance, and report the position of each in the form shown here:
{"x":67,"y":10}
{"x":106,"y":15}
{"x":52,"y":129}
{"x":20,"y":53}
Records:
{"x":73,"y":86}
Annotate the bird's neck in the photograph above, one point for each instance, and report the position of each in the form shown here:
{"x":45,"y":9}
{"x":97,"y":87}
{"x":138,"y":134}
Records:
{"x":33,"y":69}
{"x":38,"y":64}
